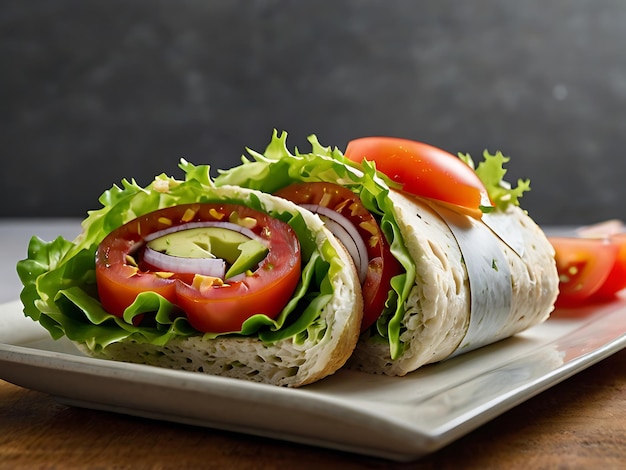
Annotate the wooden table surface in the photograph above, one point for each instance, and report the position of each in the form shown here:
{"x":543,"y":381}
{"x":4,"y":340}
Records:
{"x":579,"y":423}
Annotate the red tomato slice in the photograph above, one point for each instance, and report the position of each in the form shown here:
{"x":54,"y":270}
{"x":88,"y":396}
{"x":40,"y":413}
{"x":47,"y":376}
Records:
{"x":584,"y":265}
{"x":209,"y":308}
{"x":616,"y":280}
{"x":424,"y":170}
{"x":382,"y":265}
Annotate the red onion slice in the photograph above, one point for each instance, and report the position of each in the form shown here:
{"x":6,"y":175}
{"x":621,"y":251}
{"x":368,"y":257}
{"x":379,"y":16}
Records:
{"x":201,"y":224}
{"x":347,"y":234}
{"x":215,"y":267}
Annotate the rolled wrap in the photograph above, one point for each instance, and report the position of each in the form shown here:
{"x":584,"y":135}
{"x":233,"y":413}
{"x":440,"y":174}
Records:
{"x":287,"y":362}
{"x":446,"y":312}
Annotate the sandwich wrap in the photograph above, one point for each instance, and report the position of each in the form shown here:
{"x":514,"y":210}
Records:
{"x":310,"y":337}
{"x":465,"y":283}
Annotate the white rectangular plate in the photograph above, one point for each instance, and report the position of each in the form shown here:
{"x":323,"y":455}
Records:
{"x":399,"y":418}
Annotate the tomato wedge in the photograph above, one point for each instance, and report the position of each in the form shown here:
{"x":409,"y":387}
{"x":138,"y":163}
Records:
{"x":381,"y":264}
{"x":584,"y":266}
{"x":613,"y":230}
{"x":209,"y":304}
{"x":424,"y":170}
{"x":605,"y":272}
{"x":616,"y":280}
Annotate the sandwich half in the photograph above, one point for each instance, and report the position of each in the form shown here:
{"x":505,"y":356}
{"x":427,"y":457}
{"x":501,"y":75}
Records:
{"x":310,"y":334}
{"x":470,"y":289}
{"x":464,"y":280}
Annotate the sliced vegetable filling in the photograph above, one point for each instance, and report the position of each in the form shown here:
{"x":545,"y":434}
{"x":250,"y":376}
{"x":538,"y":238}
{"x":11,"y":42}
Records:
{"x":220,"y":263}
{"x":219,"y":249}
{"x":357,"y":229}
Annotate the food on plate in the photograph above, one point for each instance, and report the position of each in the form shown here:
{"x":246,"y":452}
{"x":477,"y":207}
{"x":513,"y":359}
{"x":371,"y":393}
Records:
{"x":467,"y":266}
{"x":227,"y":281}
{"x":292,"y":265}
{"x":591,"y":263}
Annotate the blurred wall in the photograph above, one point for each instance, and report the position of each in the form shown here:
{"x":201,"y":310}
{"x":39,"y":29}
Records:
{"x":95,"y":91}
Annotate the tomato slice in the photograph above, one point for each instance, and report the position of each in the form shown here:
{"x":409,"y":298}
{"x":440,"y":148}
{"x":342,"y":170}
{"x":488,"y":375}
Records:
{"x":424,"y":170}
{"x":382,"y":265}
{"x":611,"y":232}
{"x":616,"y":280}
{"x":209,"y":306}
{"x":584,"y":265}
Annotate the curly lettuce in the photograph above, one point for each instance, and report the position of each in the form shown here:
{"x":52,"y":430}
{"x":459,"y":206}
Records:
{"x":491,"y":172}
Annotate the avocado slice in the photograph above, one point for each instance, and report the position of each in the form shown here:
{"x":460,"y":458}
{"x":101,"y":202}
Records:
{"x":241,"y":252}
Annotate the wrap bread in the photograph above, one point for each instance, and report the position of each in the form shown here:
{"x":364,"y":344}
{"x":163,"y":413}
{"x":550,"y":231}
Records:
{"x":439,"y":311}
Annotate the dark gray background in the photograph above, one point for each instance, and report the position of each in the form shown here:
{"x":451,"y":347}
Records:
{"x":95,"y":91}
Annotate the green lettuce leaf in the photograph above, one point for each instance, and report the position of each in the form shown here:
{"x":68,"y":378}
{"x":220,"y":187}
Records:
{"x":60,"y":290}
{"x":278,"y":167}
{"x":491,"y":172}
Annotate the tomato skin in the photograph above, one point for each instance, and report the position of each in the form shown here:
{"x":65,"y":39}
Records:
{"x":423,"y":170}
{"x":584,"y":265}
{"x":216,"y":309}
{"x":382,"y":265}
